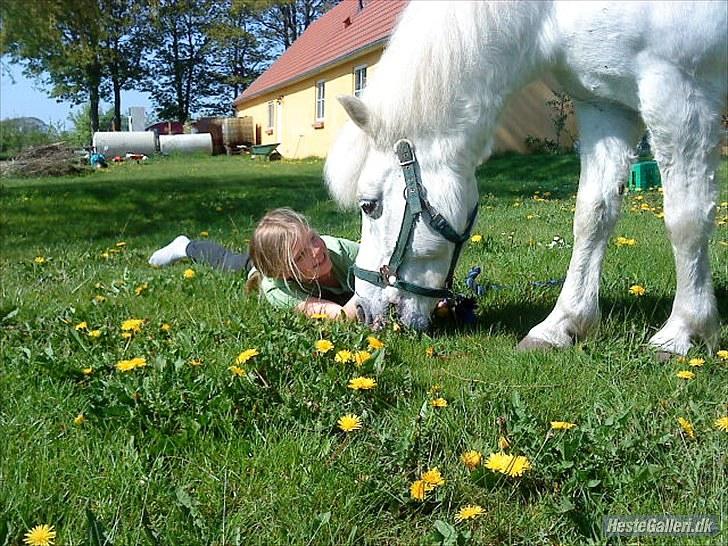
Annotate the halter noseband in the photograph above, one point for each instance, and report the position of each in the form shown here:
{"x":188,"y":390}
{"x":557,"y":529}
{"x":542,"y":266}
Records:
{"x":416,"y":206}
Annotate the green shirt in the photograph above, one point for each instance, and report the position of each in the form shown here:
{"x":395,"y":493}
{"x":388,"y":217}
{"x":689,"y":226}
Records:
{"x":288,"y":294}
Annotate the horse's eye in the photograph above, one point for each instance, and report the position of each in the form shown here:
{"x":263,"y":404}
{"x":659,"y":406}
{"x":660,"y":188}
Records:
{"x":368,"y":206}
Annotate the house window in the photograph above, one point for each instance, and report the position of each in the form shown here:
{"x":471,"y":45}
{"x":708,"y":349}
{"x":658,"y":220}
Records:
{"x":320,"y":95}
{"x":271,"y":115}
{"x":360,"y":79}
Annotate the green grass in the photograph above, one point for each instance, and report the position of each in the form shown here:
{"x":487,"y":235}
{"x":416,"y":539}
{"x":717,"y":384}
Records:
{"x":179,"y":454}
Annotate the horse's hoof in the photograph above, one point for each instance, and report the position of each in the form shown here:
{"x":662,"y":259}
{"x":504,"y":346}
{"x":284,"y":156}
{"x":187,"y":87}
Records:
{"x":664,"y":356}
{"x":529,"y":343}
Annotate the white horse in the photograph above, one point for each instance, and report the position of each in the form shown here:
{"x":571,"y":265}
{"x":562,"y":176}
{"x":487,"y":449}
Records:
{"x":442,"y":83}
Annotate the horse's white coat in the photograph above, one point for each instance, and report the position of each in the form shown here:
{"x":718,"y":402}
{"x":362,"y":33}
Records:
{"x":442,"y":83}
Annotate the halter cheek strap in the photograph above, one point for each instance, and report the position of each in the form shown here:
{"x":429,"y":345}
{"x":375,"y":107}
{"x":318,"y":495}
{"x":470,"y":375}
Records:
{"x":416,"y":207}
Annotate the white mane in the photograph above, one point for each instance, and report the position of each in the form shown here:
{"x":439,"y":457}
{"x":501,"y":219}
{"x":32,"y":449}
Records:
{"x":444,"y":86}
{"x":443,"y":90}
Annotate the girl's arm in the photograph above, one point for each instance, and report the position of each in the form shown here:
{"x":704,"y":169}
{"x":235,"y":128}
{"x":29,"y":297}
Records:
{"x":318,"y":306}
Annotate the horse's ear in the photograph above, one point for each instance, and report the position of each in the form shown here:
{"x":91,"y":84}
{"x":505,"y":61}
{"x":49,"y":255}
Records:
{"x":357,"y":111}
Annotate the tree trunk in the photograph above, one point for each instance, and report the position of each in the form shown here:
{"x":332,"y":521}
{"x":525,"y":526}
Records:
{"x":94,"y":100}
{"x":117,"y":102}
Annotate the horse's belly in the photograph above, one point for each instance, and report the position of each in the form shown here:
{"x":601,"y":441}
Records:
{"x":605,"y":48}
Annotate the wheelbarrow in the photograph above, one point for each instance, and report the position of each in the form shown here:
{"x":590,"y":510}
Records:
{"x":267,"y":151}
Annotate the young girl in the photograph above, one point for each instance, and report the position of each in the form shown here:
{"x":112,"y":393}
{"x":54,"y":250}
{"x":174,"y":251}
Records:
{"x":291,"y":264}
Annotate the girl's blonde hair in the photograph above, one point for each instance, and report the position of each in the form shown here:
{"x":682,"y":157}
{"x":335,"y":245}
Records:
{"x":272,"y":244}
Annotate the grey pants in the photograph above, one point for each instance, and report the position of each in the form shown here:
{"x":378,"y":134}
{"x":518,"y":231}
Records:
{"x":217,"y":256}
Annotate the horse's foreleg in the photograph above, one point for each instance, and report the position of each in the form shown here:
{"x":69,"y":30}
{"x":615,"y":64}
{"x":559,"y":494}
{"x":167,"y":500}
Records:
{"x":607,"y":135}
{"x":684,"y":126}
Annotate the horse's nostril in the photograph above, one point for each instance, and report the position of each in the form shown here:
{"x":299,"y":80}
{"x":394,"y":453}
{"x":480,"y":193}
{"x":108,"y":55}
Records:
{"x":360,"y":314}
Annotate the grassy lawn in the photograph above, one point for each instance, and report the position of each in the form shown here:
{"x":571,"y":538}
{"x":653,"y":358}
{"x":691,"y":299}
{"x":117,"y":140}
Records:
{"x":183,"y":451}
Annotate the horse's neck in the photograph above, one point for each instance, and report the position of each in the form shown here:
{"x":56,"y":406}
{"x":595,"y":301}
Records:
{"x":454,"y":82}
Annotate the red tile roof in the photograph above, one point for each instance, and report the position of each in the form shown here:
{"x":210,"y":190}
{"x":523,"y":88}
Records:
{"x":342,"y":32}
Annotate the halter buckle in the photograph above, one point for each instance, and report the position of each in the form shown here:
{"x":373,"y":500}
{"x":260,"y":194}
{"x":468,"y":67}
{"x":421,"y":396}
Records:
{"x":387,"y":275}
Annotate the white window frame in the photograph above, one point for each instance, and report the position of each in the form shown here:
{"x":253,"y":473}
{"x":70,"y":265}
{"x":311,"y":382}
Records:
{"x":320,"y":100}
{"x":271,"y":115}
{"x":358,"y":70}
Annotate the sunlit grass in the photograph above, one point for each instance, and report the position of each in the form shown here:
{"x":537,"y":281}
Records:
{"x":184,"y":451}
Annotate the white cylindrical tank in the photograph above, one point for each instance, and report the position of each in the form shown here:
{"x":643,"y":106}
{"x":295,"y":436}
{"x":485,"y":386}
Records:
{"x":196,"y":142}
{"x":120,"y":143}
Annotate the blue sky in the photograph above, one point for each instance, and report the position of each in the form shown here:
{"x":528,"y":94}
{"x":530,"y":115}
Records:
{"x":20,"y":96}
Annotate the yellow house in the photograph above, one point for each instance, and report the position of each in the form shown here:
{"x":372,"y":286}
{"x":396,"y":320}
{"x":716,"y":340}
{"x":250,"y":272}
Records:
{"x":293,"y":103}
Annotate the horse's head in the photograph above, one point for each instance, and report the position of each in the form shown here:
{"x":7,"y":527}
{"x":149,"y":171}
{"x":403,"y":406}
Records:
{"x":417,"y":208}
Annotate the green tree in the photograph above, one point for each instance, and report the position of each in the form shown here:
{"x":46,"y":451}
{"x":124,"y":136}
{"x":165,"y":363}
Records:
{"x":179,"y":71}
{"x":19,"y":133}
{"x":283,"y":21}
{"x":126,"y":27}
{"x":238,"y":54}
{"x":57,"y":40}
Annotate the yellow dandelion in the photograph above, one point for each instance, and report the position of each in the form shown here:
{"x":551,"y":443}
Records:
{"x":637,"y":290}
{"x":195,"y":362}
{"x":131,"y":364}
{"x":438,"y":403}
{"x":126,"y":335}
{"x":375,"y":344}
{"x":476,"y":238}
{"x":362,"y":383}
{"x":246,"y":355}
{"x":40,"y":260}
{"x":120,"y":244}
{"x":81,"y":326}
{"x":98,"y":298}
{"x":562,"y":425}
{"x":189,"y":273}
{"x":625,"y":241}
{"x":696,"y":362}
{"x":418,"y":490}
{"x":87,"y":371}
{"x":166,"y":327}
{"x":204,"y":234}
{"x":471,"y":459}
{"x":79,"y":420}
{"x":94,"y":334}
{"x":349,"y":422}
{"x":511,"y":465}
{"x":721,"y":423}
{"x":722,"y":355}
{"x":132,"y":325}
{"x":360,"y":357}
{"x":40,"y":535}
{"x":344,"y":356}
{"x":318,"y":316}
{"x":237,"y":371}
{"x":430,"y":351}
{"x":323,"y":346}
{"x":141,"y":288}
{"x":503,"y":443}
{"x":433,"y":477}
{"x":687,"y":427}
{"x":685,"y":374}
{"x":469,"y":511}
{"x":434,"y":390}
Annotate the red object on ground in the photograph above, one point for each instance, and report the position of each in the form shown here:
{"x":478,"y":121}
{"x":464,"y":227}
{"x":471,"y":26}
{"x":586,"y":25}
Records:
{"x":117,"y":159}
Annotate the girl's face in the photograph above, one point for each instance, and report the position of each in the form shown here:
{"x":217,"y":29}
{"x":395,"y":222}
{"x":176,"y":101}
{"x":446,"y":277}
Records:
{"x":311,"y":256}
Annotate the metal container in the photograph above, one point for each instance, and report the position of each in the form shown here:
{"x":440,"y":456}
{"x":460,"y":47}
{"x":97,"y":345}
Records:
{"x":120,"y":143}
{"x":197,"y":142}
{"x":237,"y":131}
